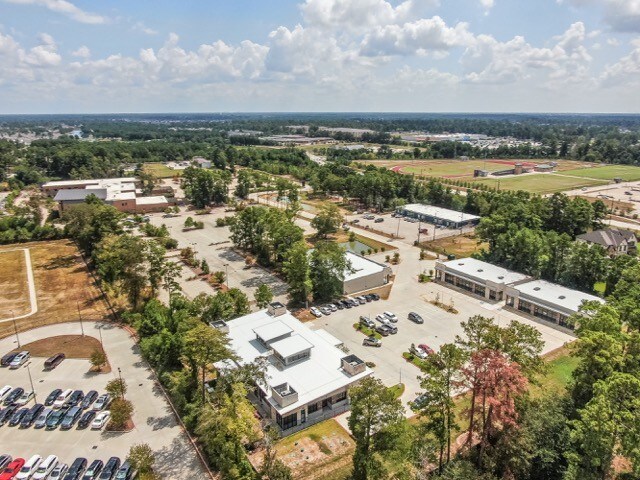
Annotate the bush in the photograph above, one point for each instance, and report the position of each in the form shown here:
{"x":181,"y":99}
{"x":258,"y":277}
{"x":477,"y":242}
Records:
{"x":383,"y":249}
{"x":168,"y":243}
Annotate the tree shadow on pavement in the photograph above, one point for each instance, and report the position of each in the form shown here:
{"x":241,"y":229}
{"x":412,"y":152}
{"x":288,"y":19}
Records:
{"x":178,"y":460}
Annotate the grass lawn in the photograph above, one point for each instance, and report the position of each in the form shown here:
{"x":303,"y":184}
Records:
{"x":560,"y":368}
{"x":322,"y":451}
{"x":397,"y":390}
{"x":459,"y":245}
{"x":14,"y":289}
{"x":448,"y":168}
{"x":608,"y":172}
{"x":160,"y":170}
{"x":366,"y":330}
{"x":540,"y":183}
{"x":63,"y":285}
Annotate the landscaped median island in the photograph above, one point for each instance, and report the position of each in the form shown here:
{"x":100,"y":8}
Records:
{"x":369,"y":332}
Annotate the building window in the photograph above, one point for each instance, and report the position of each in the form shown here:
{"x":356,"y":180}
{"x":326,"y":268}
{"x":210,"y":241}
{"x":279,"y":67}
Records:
{"x":313,"y":408}
{"x":525,"y":306}
{"x":287,"y":422}
{"x":341,"y":396}
{"x":510,"y":301}
{"x":298,"y":356}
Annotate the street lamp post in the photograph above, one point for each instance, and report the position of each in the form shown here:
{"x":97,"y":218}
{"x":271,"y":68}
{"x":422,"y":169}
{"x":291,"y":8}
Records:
{"x":15,"y":327}
{"x":121,"y":384}
{"x":226,"y":273}
{"x":100,"y":334}
{"x":31,"y":382}
{"x":80,"y":318}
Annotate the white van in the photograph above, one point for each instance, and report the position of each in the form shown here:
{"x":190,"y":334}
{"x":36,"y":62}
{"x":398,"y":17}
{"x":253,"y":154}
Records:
{"x":29,"y":468}
{"x":4,"y":391}
{"x":62,"y":398}
{"x":45,"y":467}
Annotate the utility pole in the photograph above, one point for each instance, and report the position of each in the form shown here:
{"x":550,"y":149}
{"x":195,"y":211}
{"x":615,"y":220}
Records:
{"x":398,"y":230}
{"x":419,"y":228}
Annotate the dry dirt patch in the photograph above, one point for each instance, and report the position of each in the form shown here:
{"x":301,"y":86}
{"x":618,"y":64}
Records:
{"x":73,"y":346}
{"x":14,"y":288}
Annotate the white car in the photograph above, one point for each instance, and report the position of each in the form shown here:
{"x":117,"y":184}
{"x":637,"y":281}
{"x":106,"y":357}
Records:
{"x":45,"y":468}
{"x":102,"y":402}
{"x":391,"y":316}
{"x":5,"y":391}
{"x":315,"y":312}
{"x":418,"y":352}
{"x":29,"y":468}
{"x":19,"y":359}
{"x":101,"y":420}
{"x":24,"y":399}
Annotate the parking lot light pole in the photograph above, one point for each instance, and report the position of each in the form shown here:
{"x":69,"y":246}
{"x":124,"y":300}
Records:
{"x":80,"y":317}
{"x":121,"y":384}
{"x":35,"y":398}
{"x":226,"y":274}
{"x":15,"y":327}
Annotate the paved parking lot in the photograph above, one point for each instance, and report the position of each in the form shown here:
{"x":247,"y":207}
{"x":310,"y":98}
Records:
{"x":154,"y":421}
{"x":212,"y":243}
{"x":440,"y":327}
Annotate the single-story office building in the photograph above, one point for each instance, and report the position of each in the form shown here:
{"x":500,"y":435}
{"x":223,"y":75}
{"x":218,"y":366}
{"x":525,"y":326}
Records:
{"x":365,"y":274}
{"x":438,"y":215}
{"x":477,"y":277}
{"x":547,"y":301}
{"x":308,"y":376}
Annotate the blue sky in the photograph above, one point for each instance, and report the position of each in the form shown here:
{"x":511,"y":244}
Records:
{"x":75,"y":56}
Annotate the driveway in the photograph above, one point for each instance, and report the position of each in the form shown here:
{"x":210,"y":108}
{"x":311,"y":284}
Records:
{"x":154,"y":421}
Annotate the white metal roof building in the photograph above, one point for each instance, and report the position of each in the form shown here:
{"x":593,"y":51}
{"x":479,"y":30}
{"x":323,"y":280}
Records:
{"x":547,"y":301}
{"x":477,"y":277}
{"x":364,"y":274}
{"x":307,"y":375}
{"x":438,"y":215}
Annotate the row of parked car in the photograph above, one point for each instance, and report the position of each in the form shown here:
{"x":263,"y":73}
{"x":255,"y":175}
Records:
{"x":61,"y":408}
{"x":51,"y":468}
{"x":385,"y":326}
{"x":15,"y":360}
{"x":347,"y":302}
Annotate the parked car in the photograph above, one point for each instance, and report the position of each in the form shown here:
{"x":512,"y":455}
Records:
{"x":372,"y":342}
{"x":379,"y":220}
{"x":24,"y":398}
{"x":383,"y":330}
{"x":62,"y":398}
{"x":19,"y":360}
{"x":31,"y":415}
{"x":325,"y":310}
{"x":29,"y":468}
{"x":46,"y":467}
{"x":391,"y":316}
{"x":338,"y":305}
{"x":345,"y":304}
{"x":331,"y":307}
{"x":5,"y":391}
{"x":55,"y":418}
{"x":52,"y":362}
{"x":75,"y":398}
{"x":418,"y":352}
{"x":125,"y":472}
{"x":419,"y":402}
{"x":382,"y":318}
{"x":8,"y":358}
{"x":94,"y":470}
{"x":70,"y":418}
{"x":315,"y":312}
{"x":86,"y":419}
{"x":375,"y":297}
{"x":7,"y":413}
{"x":102,"y":402}
{"x":100,"y":420}
{"x":5,"y":460}
{"x":415,"y":318}
{"x":41,"y":421}
{"x":352,"y":301}
{"x":426,"y":348}
{"x":17,"y":417}
{"x":12,"y":469}
{"x":15,"y":394}
{"x":59,"y":472}
{"x":361,"y":300}
{"x":110,"y":469}
{"x":89,"y":398}
{"x":76,"y":469}
{"x":52,"y":397}
{"x":367,"y":322}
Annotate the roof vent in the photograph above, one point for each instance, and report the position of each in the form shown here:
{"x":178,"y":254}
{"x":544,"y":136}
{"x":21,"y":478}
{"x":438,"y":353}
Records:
{"x":536,"y":288}
{"x":500,"y":277}
{"x":480,"y":270}
{"x":562,"y":297}
{"x":461,"y":264}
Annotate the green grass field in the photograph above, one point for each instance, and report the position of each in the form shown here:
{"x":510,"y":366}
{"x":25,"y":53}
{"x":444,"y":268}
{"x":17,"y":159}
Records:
{"x":159,"y":170}
{"x":609,"y":172}
{"x":540,"y":183}
{"x":447,"y":168}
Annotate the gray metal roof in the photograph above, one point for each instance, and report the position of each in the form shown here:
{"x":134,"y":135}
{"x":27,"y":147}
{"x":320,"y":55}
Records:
{"x":80,"y":195}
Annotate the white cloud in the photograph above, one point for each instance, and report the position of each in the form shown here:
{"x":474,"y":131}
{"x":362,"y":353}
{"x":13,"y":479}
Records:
{"x":421,"y":37}
{"x":626,"y":70}
{"x":65,"y":8}
{"x":613,"y":42}
{"x":487,"y":5}
{"x":620,"y":15}
{"x":82,"y":52}
{"x":141,"y":27}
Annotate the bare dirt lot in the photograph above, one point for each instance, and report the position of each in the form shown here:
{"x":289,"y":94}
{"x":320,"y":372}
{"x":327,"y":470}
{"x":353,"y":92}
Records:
{"x":73,"y":346}
{"x":14,"y":291}
{"x":63,"y":287}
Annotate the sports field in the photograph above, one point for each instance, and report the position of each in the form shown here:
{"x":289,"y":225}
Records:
{"x":62,"y":283}
{"x":540,"y":182}
{"x":160,"y":170}
{"x":608,"y":172}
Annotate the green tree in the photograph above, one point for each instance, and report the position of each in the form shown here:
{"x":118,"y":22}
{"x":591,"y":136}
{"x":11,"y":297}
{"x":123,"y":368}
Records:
{"x":121,"y":411}
{"x":98,"y":358}
{"x":297,"y":272}
{"x":374,"y":412}
{"x":327,"y":267}
{"x":626,"y":294}
{"x":263,"y":296}
{"x":88,"y":223}
{"x":116,"y":388}
{"x":327,"y":220}
{"x":203,"y":187}
{"x":141,"y":458}
{"x":204,"y":266}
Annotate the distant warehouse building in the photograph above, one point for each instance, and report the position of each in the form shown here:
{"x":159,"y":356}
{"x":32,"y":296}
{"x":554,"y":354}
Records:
{"x":438,"y":215}
{"x":477,"y":277}
{"x":547,"y":301}
{"x":365,"y":274}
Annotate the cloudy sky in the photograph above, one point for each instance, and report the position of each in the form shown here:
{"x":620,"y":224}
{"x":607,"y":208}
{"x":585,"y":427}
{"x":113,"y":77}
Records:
{"x":75,"y":56}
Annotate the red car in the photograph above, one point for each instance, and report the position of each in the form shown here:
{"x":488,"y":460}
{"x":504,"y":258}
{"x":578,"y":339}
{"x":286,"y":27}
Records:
{"x":12,"y":469}
{"x":426,"y":348}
